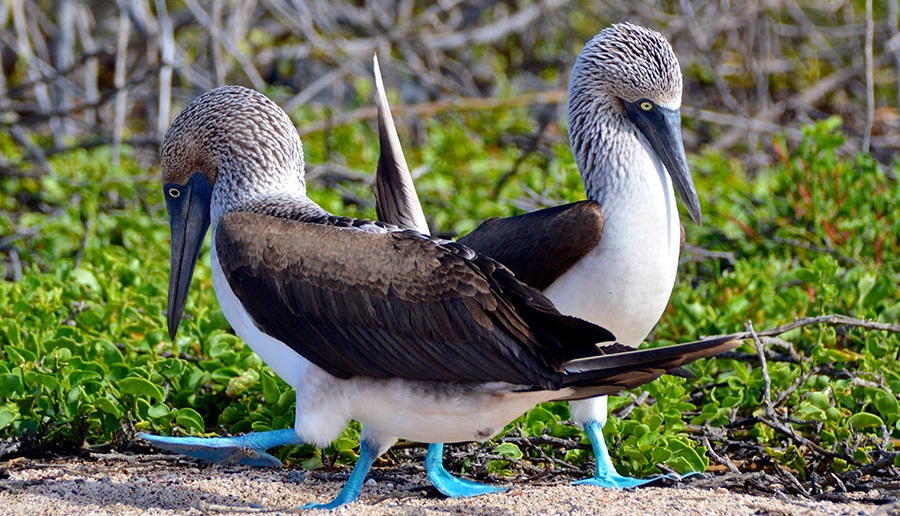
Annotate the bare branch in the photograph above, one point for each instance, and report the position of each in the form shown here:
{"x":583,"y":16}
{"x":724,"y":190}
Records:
{"x":121,"y":94}
{"x":167,"y":61}
{"x":870,"y":77}
{"x":433,"y":108}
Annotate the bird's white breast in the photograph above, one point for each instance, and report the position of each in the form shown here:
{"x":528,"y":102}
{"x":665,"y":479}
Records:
{"x":624,"y":283}
{"x":287,"y":364}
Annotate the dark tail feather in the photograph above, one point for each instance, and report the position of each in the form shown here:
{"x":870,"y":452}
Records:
{"x":620,"y":369}
{"x":681,"y":372}
{"x":396,"y":200}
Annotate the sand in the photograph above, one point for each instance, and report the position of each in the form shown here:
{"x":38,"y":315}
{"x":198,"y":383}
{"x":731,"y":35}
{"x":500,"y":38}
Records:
{"x":164,"y":484}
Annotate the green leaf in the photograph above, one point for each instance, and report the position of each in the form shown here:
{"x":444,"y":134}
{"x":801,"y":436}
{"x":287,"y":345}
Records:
{"x":864,"y":420}
{"x":19,"y":355}
{"x":241,"y":383}
{"x":190,"y":419}
{"x":159,"y":410}
{"x":887,"y":405}
{"x":8,"y":414}
{"x":261,"y":426}
{"x":171,"y":368}
{"x":222,"y":347}
{"x":108,"y":406}
{"x":685,"y":458}
{"x":140,"y":387}
{"x":11,"y":384}
{"x":510,"y":450}
{"x":110,"y":353}
{"x":312,"y":463}
{"x":47,"y":381}
{"x":270,"y":389}
{"x":85,"y":277}
{"x":79,"y":377}
{"x":537,"y":419}
{"x":819,"y":400}
{"x":833,"y":414}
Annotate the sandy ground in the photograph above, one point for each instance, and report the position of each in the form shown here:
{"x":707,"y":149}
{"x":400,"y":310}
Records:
{"x":160,"y":484}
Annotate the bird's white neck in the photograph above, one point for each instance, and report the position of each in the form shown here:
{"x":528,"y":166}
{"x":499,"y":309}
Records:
{"x":635,"y":193}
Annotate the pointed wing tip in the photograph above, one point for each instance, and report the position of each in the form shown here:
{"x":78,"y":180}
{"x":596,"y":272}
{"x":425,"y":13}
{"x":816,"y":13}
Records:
{"x":396,"y":200}
{"x":173,"y":324}
{"x":711,"y":346}
{"x":681,"y":372}
{"x":677,"y":355}
{"x":380,"y":96}
{"x":727,"y":342}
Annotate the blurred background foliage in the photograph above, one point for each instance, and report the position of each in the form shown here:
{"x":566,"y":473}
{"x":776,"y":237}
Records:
{"x":791,"y":125}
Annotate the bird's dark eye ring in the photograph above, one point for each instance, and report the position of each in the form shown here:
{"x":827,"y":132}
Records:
{"x":174,"y":193}
{"x":646,"y":105}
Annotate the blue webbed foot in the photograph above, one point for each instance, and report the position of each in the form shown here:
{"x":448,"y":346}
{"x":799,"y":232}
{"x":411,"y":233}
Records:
{"x":606,"y":474}
{"x":368,"y":452}
{"x":446,"y":483}
{"x":248,"y":449}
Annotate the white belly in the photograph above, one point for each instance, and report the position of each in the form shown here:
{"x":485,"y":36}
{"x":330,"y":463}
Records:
{"x":625,"y":282}
{"x":625,"y":296}
{"x":418,"y":411}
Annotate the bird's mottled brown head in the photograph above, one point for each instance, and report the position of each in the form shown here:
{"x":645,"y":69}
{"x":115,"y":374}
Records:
{"x":230,"y":126}
{"x":231,"y":138}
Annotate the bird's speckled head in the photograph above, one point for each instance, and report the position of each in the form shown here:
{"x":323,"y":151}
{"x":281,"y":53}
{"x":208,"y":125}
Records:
{"x":625,"y":119}
{"x":233,"y":128}
{"x":229,"y":147}
{"x":629,"y":62}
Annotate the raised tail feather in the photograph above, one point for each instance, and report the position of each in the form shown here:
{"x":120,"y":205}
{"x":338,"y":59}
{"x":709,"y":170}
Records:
{"x":396,"y":201}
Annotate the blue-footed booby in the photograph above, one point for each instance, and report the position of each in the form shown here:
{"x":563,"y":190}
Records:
{"x":413,"y":336}
{"x":612,"y":259}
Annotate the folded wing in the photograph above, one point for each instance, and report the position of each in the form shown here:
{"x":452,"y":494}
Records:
{"x":395,"y":304}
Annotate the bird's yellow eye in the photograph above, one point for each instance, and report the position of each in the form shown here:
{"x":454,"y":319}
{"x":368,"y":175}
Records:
{"x":174,"y":193}
{"x":646,"y":105}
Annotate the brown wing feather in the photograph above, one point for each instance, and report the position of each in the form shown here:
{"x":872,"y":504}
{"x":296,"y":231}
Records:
{"x":395,"y":303}
{"x":540,"y":246}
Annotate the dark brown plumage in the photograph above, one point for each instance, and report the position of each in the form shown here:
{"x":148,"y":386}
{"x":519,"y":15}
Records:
{"x":542,"y":245}
{"x":395,"y":304}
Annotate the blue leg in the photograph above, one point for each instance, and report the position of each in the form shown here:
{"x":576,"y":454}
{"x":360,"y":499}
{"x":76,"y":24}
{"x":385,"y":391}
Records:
{"x":248,"y":449}
{"x":606,"y":475}
{"x":367,"y":455}
{"x":446,"y":483}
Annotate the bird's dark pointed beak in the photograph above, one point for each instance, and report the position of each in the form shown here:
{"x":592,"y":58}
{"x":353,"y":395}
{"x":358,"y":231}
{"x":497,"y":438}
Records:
{"x":188,"y":207}
{"x":662,"y":128}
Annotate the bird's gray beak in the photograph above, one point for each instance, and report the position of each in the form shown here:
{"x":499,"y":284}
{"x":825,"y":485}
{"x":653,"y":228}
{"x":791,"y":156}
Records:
{"x":662,"y":128}
{"x":188,"y":207}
